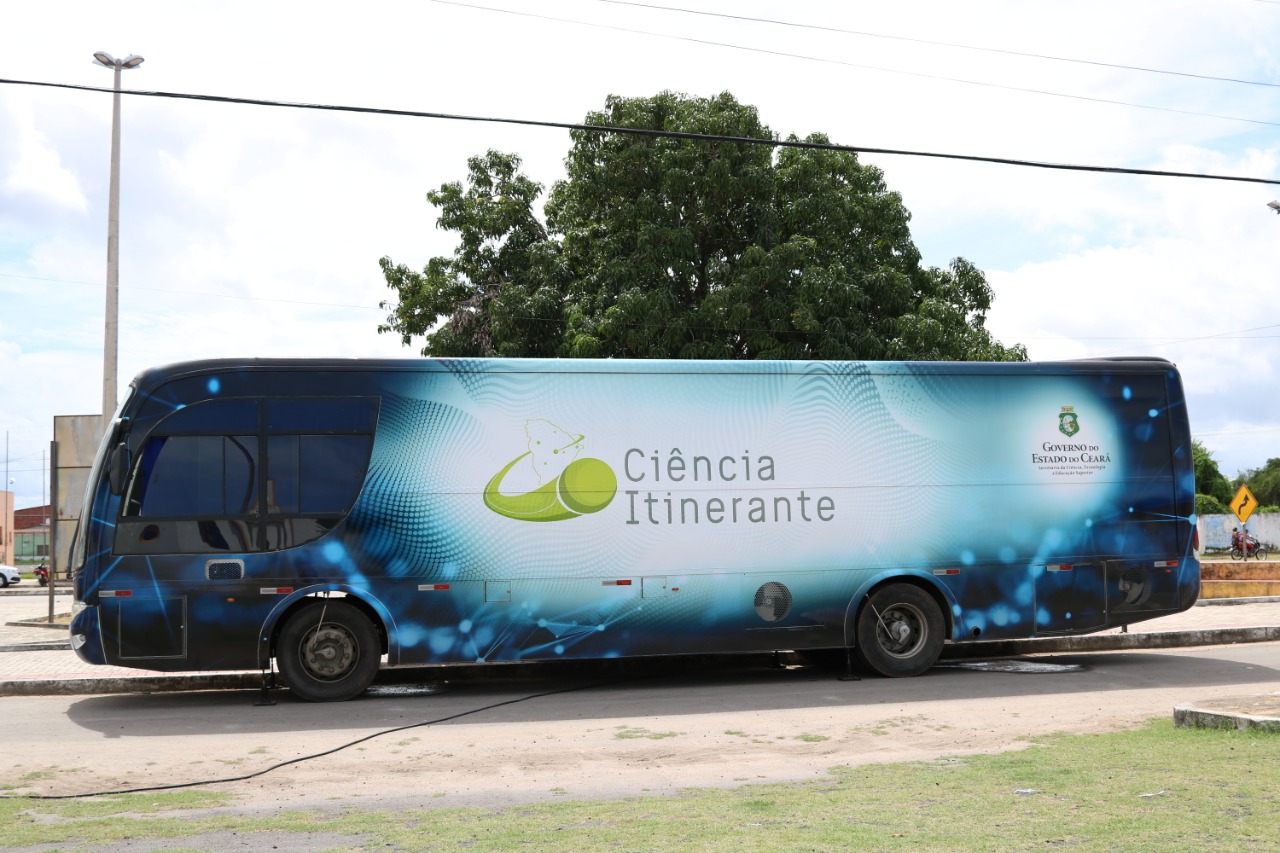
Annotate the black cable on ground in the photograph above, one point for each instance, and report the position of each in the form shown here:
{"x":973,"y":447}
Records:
{"x":300,"y":759}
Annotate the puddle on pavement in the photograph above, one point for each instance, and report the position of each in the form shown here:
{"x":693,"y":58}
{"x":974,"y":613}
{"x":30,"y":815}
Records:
{"x":400,"y":691}
{"x":1017,"y":666}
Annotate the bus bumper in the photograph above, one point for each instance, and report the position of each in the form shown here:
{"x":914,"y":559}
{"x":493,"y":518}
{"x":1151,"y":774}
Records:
{"x":86,"y":636}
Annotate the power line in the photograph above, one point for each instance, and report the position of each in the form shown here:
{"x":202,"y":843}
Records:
{"x":663,"y":134}
{"x":1241,"y":334}
{"x":847,"y":64}
{"x":1027,"y":55}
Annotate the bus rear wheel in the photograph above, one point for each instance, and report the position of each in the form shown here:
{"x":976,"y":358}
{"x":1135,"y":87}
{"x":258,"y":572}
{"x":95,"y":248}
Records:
{"x":899,"y":631}
{"x":328,"y":652}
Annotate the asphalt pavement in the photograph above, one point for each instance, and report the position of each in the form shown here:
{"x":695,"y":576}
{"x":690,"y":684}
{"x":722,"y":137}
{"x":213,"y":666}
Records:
{"x":36,"y":659}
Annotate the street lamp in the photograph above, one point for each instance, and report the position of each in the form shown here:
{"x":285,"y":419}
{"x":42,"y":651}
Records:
{"x":110,"y":346}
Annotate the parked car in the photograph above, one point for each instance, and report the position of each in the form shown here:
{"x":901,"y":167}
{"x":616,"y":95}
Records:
{"x":8,"y":575}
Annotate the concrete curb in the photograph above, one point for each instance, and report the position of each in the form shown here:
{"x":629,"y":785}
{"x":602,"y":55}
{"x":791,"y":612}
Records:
{"x":1242,"y":713}
{"x":50,"y":646}
{"x":1112,"y":642}
{"x":145,"y":682}
{"x":41,"y":623}
{"x":159,"y":683}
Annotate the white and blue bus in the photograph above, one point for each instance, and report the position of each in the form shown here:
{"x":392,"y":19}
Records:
{"x":342,"y":515}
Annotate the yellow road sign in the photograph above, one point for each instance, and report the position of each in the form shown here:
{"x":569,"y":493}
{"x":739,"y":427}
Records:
{"x":1244,"y":503}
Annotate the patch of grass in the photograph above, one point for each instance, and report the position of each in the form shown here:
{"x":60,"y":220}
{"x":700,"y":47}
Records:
{"x":808,"y":738}
{"x":631,"y":733}
{"x":1152,"y":789}
{"x":884,"y":727}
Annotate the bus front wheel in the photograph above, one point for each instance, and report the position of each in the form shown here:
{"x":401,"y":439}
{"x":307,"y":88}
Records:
{"x":899,"y":631}
{"x":328,"y":652}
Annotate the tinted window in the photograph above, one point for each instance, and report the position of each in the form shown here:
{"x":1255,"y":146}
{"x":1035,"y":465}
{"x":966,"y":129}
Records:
{"x":315,"y":474}
{"x":216,"y":476}
{"x":332,"y":469}
{"x":196,"y":475}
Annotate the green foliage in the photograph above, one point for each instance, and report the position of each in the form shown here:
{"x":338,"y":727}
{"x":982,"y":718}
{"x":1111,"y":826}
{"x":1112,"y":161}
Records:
{"x":497,"y":295}
{"x":1209,"y":480}
{"x":1264,"y":482}
{"x":1209,"y":505}
{"x":656,"y":247}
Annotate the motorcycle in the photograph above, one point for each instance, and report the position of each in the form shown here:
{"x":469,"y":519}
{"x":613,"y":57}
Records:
{"x":1252,"y":549}
{"x":42,"y":574}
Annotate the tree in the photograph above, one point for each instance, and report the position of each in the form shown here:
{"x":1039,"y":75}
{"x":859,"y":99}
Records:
{"x":1209,"y":480}
{"x":497,"y":295}
{"x":1209,"y":505}
{"x":660,"y":247}
{"x":1264,"y":482}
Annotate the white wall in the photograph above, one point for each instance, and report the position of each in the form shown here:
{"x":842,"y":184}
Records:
{"x":1215,"y":530}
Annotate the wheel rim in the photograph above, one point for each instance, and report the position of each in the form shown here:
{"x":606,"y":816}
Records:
{"x":329,"y":653}
{"x":901,"y":630}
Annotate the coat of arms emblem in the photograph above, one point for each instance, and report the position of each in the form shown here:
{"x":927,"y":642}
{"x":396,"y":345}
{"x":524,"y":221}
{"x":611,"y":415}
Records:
{"x":1068,"y":421}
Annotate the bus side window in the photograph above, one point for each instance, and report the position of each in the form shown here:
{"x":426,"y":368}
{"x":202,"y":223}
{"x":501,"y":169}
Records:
{"x":215,"y":477}
{"x":195,"y":476}
{"x":316,"y":474}
{"x":141,"y":476}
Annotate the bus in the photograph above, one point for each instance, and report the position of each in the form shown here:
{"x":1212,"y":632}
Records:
{"x":329,"y":517}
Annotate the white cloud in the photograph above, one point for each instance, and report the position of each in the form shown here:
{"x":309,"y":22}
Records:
{"x":36,"y":174}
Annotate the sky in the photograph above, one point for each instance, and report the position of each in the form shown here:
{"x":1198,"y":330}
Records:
{"x":256,"y":231}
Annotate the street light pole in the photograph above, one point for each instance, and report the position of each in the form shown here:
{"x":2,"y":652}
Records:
{"x":110,"y":346}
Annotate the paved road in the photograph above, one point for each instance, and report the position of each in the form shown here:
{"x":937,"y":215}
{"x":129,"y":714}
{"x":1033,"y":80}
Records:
{"x":471,"y":741}
{"x":584,"y":736}
{"x":38,"y":660}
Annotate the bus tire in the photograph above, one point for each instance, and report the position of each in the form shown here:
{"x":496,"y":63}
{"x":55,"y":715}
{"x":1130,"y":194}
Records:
{"x":328,"y":651}
{"x":900,"y":631}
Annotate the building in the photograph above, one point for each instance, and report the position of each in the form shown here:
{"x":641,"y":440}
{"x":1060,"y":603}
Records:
{"x":31,"y":535}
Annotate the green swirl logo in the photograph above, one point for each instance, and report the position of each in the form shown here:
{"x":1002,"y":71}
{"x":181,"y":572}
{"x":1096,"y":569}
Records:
{"x":560,"y":483}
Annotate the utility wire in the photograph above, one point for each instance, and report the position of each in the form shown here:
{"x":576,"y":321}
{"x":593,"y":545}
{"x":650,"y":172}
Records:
{"x":842,"y":31}
{"x":662,"y":134}
{"x":807,"y":58}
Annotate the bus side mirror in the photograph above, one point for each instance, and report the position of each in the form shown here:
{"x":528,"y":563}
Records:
{"x":118,"y":464}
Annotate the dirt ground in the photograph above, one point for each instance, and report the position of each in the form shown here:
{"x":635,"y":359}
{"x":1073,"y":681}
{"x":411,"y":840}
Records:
{"x":498,"y":743}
